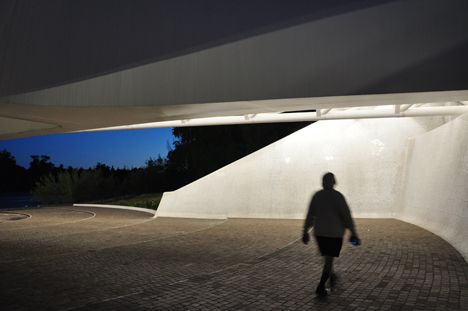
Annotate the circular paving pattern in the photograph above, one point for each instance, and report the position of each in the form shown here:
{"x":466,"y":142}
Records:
{"x":12,"y":216}
{"x":88,"y":258}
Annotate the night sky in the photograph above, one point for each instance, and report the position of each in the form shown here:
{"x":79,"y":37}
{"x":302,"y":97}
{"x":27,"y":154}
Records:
{"x":125,"y":148}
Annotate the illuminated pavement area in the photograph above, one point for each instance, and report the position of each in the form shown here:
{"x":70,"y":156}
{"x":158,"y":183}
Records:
{"x":73,"y":258}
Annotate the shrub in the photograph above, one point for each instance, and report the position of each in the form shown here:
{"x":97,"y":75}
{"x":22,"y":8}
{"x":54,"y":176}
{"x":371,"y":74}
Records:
{"x":74,"y":187}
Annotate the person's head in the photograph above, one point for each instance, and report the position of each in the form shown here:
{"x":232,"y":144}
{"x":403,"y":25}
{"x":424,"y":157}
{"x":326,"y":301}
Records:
{"x":328,"y":181}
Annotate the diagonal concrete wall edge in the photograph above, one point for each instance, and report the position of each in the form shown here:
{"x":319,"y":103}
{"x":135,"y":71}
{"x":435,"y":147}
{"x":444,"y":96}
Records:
{"x":413,"y":169}
{"x":278,"y":180}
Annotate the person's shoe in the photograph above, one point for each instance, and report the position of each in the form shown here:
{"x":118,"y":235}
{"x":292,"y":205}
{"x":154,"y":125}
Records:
{"x":334,"y":280}
{"x":321,"y":291}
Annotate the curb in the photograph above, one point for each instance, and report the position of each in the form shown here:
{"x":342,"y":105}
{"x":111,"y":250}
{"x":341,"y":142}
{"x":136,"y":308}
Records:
{"x":139,"y":209}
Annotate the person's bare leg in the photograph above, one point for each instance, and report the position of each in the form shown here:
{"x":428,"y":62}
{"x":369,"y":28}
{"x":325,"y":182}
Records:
{"x":328,"y":267}
{"x":327,"y":270}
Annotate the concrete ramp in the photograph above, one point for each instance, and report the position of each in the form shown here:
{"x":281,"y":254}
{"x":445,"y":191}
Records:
{"x":367,"y":157}
{"x":414,"y":169}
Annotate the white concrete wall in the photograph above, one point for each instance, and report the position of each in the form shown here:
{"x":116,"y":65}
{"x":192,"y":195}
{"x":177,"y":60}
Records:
{"x":277,"y":181}
{"x":436,"y":192}
{"x":413,"y":169}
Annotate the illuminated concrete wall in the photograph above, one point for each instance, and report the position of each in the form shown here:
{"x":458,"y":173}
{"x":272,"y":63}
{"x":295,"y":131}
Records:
{"x":436,"y":192}
{"x":277,"y":181}
{"x":414,"y":169}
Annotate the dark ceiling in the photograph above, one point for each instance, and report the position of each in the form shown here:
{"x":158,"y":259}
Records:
{"x":51,"y":43}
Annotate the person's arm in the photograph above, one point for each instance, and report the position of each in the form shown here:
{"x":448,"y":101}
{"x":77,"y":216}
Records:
{"x":310,"y":219}
{"x":349,"y":222}
{"x":346,"y":216}
{"x":309,"y":222}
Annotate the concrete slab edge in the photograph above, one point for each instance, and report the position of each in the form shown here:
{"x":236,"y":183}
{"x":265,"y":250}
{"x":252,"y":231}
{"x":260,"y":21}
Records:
{"x":139,"y":209}
{"x":192,"y":215}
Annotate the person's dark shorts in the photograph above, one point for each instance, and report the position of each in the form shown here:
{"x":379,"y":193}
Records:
{"x":329,"y":246}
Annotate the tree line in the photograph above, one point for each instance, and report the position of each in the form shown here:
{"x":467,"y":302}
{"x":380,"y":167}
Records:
{"x":196,"y":152}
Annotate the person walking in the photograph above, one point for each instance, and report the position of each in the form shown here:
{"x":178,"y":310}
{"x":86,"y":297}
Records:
{"x":330,"y":216}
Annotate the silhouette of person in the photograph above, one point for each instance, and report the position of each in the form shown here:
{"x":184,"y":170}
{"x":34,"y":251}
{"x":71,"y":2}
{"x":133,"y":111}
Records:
{"x":329,"y":215}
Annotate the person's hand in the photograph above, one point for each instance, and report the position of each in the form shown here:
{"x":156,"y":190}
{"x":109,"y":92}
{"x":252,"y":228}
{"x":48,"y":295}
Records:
{"x":355,"y":240}
{"x":305,"y":237}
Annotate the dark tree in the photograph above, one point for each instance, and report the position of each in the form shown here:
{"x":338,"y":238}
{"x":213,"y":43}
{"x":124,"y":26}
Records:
{"x":105,"y":170}
{"x":39,"y":167}
{"x":148,"y":179}
{"x":12,"y":175}
{"x":199,"y":151}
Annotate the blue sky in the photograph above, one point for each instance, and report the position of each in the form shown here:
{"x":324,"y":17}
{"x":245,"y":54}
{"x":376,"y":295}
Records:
{"x":125,"y":148}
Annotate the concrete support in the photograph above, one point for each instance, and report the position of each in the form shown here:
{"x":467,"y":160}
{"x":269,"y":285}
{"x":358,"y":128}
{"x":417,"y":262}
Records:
{"x":414,"y":169}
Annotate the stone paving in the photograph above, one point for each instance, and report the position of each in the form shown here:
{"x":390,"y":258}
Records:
{"x":72,"y":258}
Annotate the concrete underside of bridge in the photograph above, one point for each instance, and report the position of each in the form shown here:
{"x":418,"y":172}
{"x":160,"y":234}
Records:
{"x":71,"y":66}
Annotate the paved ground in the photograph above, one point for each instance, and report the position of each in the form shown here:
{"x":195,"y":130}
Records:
{"x":103,"y":259}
